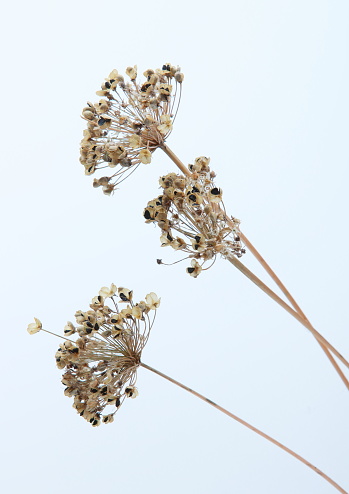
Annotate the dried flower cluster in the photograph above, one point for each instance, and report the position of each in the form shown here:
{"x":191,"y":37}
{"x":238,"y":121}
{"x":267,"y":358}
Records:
{"x":101,"y":364}
{"x":129,"y":123}
{"x":190,"y":206}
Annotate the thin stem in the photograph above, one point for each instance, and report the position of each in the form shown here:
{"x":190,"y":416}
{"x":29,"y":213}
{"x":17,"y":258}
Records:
{"x":59,"y":336}
{"x":175,"y":159}
{"x":284,"y":290}
{"x":271,"y":273}
{"x":249,"y":426}
{"x":283,"y":304}
{"x":302,"y":319}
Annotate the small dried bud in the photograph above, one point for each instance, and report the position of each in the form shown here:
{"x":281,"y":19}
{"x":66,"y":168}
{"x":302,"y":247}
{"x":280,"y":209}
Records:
{"x":34,"y":327}
{"x":144,"y":156}
{"x":195,"y":269}
{"x":132,"y":72}
{"x":69,"y":329}
{"x":106,"y":292}
{"x":152,"y":300}
{"x":179,"y":77}
{"x":131,"y":392}
{"x":125,"y":294}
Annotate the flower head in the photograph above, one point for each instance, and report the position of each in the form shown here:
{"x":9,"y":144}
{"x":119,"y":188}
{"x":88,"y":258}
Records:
{"x":100,"y":366}
{"x":130,"y":121}
{"x":189,"y":205}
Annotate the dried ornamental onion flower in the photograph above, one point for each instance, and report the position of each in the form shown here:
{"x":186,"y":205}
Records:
{"x":130,"y":121}
{"x":189,"y":206}
{"x":100,"y":366}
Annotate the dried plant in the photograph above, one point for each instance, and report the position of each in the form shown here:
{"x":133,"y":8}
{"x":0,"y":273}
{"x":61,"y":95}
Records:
{"x":129,"y":123}
{"x":188,"y":206}
{"x":124,"y":128}
{"x":192,"y":205}
{"x":100,"y":366}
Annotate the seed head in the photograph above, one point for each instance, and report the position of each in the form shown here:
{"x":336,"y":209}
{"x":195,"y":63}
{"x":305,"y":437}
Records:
{"x":192,"y":206}
{"x":100,"y":366}
{"x":129,"y":123}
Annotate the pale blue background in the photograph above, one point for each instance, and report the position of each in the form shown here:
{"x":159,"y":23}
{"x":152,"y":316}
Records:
{"x":266,"y":97}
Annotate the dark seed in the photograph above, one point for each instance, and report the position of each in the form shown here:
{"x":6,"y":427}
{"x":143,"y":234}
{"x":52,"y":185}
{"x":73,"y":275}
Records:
{"x":145,"y":87}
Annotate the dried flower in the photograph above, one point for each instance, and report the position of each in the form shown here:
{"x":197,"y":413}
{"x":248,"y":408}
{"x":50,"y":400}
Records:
{"x":189,"y":206}
{"x":69,"y":329}
{"x":129,"y":123}
{"x":195,"y":269}
{"x":106,"y":292}
{"x":152,"y":300}
{"x":100,"y":366}
{"x":34,"y":327}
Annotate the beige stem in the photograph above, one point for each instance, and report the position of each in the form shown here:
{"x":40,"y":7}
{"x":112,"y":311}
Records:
{"x":283,"y":304}
{"x":249,"y":426}
{"x":282,"y":287}
{"x":254,"y":251}
{"x":175,"y":159}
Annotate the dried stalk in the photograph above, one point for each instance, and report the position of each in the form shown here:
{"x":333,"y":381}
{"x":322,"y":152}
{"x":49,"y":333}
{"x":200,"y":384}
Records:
{"x":283,"y":304}
{"x":282,"y":287}
{"x":249,"y":426}
{"x":297,"y":313}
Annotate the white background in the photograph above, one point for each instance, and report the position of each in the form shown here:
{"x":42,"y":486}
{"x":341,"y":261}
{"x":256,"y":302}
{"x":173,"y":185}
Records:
{"x":265,"y":96}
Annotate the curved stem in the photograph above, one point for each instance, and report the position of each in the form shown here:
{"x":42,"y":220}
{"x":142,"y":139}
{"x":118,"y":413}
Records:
{"x":249,"y":426}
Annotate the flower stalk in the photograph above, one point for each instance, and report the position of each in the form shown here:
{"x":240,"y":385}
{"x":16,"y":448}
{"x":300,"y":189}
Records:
{"x":249,"y":426}
{"x":282,"y":287}
{"x":297,"y":313}
{"x":100,"y":366}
